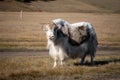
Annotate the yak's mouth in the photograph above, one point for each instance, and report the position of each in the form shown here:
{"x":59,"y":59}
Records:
{"x":51,"y":37}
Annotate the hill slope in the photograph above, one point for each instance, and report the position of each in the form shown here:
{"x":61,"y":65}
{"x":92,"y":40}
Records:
{"x":62,"y":6}
{"x":11,"y":5}
{"x":65,"y":6}
{"x":111,"y":5}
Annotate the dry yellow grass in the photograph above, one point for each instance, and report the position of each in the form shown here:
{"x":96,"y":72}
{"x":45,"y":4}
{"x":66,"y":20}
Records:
{"x":33,"y":67}
{"x":28,"y":32}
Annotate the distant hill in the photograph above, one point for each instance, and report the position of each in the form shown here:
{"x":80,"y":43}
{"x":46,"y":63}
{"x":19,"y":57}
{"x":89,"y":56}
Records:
{"x":62,"y":6}
{"x":12,"y":5}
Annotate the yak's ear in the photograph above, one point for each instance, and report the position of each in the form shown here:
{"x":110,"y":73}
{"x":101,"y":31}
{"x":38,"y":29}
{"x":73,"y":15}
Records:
{"x":55,"y":26}
{"x":46,"y":27}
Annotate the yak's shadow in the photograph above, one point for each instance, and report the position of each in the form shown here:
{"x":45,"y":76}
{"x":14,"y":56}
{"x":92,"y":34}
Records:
{"x":97,"y":63}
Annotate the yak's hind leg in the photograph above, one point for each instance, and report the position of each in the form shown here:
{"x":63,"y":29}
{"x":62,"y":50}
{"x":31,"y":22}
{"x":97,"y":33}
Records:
{"x":92,"y":59}
{"x":82,"y":60}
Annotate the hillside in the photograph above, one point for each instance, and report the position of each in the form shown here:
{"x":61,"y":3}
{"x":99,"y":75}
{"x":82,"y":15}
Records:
{"x":62,"y":6}
{"x":11,"y":5}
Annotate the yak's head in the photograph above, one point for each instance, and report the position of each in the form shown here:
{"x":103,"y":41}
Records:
{"x":51,"y":31}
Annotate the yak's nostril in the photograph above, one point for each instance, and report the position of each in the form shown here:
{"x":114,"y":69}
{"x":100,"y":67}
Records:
{"x":51,"y":37}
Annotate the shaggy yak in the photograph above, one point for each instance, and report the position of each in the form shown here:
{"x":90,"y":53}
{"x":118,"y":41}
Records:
{"x":55,"y":51}
{"x":70,"y":40}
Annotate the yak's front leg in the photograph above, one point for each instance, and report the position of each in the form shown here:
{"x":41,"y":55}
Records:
{"x":61,"y":56}
{"x":55,"y":63}
{"x":62,"y":62}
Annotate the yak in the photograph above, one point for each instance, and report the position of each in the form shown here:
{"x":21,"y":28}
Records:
{"x":61,"y":45}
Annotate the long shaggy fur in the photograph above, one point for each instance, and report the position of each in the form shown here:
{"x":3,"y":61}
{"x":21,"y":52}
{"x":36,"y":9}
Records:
{"x":76,"y":32}
{"x":80,"y":33}
{"x":60,"y":44}
{"x":88,"y":46}
{"x":55,"y":51}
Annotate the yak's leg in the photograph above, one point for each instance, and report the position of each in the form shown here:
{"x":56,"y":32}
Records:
{"x":61,"y":56}
{"x":82,"y":60}
{"x":92,"y":62}
{"x":62,"y":62}
{"x":55,"y":63}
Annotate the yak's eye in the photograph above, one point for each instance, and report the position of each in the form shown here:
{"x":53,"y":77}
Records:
{"x":62,"y":24}
{"x":55,"y":28}
{"x":53,"y":31}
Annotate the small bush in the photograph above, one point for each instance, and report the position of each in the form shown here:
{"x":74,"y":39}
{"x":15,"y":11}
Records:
{"x":33,"y":0}
{"x":47,"y":0}
{"x":25,"y":0}
{"x":1,"y":0}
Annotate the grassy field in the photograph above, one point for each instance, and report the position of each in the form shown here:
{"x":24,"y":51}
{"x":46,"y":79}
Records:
{"x":112,"y":5}
{"x":23,"y":35}
{"x":27,"y":33}
{"x":38,"y":66}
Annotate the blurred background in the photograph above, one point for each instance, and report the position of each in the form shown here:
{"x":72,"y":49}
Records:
{"x":23,"y":53}
{"x":61,"y":5}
